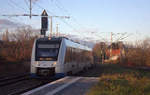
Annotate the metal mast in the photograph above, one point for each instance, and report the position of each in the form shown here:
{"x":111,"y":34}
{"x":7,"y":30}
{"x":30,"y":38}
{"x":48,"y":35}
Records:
{"x":30,"y":9}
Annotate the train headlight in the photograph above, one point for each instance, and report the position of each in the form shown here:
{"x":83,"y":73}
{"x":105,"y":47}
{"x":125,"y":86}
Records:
{"x":36,"y":62}
{"x":54,"y":63}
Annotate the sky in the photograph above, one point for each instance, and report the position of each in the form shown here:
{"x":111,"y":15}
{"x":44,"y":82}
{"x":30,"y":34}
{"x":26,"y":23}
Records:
{"x":90,"y":19}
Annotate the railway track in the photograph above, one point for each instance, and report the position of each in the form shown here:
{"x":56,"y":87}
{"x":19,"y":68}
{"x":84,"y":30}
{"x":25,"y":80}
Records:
{"x":16,"y":85}
{"x":13,"y":79}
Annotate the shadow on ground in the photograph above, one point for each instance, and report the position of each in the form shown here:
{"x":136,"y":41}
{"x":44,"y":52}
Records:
{"x":95,"y":71}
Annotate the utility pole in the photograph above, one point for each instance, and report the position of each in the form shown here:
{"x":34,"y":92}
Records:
{"x":51,"y":26}
{"x":57,"y":30}
{"x":51,"y":21}
{"x":111,"y":38}
{"x":30,"y":9}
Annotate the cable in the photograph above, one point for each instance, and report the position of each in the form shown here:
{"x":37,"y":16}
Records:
{"x":27,"y":3}
{"x":17,"y":5}
{"x":43,"y":8}
{"x":66,"y":11}
{"x":59,"y":18}
{"x":62,"y":8}
{"x":69,"y":25}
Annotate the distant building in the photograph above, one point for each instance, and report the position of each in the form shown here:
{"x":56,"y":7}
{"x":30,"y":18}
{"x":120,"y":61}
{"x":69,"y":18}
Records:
{"x":115,"y":52}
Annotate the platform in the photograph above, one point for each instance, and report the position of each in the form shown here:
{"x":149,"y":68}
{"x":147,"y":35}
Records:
{"x":66,"y":86}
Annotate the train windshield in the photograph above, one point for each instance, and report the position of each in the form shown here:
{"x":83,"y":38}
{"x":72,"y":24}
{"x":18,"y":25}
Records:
{"x":47,"y":51}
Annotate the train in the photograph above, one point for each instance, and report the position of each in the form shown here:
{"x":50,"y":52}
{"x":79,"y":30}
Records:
{"x":59,"y":56}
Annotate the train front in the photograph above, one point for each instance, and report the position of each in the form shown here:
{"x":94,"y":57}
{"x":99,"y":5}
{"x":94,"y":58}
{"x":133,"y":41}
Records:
{"x":44,"y":56}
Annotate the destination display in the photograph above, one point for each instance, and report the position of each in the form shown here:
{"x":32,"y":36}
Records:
{"x":48,"y":46}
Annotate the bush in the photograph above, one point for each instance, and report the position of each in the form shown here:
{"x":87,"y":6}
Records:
{"x":121,"y":84}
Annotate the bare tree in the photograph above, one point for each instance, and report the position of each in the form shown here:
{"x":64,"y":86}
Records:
{"x":20,"y":47}
{"x":139,"y":54}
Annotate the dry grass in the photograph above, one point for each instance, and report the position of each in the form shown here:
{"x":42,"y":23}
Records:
{"x":117,"y":80}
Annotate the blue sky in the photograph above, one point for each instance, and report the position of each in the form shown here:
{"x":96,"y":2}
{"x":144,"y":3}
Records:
{"x":99,"y":17}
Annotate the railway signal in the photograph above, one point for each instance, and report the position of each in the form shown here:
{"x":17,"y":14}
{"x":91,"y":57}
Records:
{"x":44,"y":22}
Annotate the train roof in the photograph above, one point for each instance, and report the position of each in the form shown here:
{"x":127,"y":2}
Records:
{"x":73,"y":44}
{"x":48,"y":39}
{"x":69,"y":42}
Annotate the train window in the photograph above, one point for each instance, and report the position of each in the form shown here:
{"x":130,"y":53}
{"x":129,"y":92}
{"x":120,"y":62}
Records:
{"x":48,"y":46}
{"x":47,"y":51}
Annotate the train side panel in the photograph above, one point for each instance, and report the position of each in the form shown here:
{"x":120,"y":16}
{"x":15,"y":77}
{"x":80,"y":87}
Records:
{"x":33,"y":68}
{"x":60,"y":62}
{"x":76,"y":58}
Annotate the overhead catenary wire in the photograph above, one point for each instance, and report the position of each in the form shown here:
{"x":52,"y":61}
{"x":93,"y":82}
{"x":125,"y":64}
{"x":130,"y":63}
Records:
{"x":58,"y":18}
{"x":17,"y":5}
{"x":124,"y":37}
{"x":38,"y":5}
{"x":26,"y":2}
{"x":64,"y":11}
{"x":62,"y":8}
{"x":69,"y":25}
{"x":12,"y":5}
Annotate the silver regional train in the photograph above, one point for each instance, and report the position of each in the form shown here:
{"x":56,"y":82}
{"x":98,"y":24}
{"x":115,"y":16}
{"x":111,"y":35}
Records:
{"x":59,"y":56}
